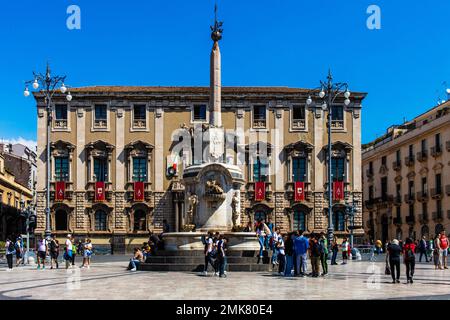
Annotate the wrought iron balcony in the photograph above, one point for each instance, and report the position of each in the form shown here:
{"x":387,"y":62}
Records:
{"x":290,"y":192}
{"x":251,"y":190}
{"x":90,"y":191}
{"x":409,"y":161}
{"x":397,"y":220}
{"x":422,"y":156}
{"x":422,"y":196}
{"x":129,"y":191}
{"x":436,"y":151}
{"x":410,"y":198}
{"x":436,"y":193}
{"x":397,"y":165}
{"x":68,"y":193}
{"x":298,"y":124}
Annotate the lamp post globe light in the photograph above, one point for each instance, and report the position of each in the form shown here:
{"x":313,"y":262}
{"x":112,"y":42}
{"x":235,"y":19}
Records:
{"x":326,"y":95}
{"x":48,"y":86}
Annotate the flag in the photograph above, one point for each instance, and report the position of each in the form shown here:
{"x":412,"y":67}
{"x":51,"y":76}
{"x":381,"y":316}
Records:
{"x":338,"y":190}
{"x":299,"y":191}
{"x":260,"y":191}
{"x":100,"y":191}
{"x":139,"y":191}
{"x":60,"y":190}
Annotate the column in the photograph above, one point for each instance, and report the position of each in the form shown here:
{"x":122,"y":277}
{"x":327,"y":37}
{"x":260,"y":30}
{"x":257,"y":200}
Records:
{"x":120,"y":144}
{"x":81,"y":142}
{"x":159,"y":150}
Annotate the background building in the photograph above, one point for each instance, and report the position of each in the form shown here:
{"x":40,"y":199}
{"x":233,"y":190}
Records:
{"x":12,"y":194}
{"x":407,"y":178}
{"x":122,"y":135}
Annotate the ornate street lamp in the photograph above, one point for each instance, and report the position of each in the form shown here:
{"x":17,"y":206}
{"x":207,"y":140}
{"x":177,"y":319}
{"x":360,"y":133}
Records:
{"x":49,"y":86}
{"x":328,"y":93}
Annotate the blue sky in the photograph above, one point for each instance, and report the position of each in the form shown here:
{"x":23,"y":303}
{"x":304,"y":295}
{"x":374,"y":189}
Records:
{"x":266,"y":43}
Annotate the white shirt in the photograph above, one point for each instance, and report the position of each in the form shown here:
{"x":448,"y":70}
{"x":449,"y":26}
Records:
{"x":210,"y":242}
{"x":69,"y":245}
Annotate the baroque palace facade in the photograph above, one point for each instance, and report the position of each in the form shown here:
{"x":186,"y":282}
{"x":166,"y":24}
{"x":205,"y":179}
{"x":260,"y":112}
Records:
{"x":121,"y":140}
{"x":407,"y":178}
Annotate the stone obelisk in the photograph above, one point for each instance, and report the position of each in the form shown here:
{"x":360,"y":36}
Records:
{"x":216,"y":133}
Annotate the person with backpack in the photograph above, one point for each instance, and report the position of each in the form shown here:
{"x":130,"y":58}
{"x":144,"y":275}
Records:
{"x":54,"y":252}
{"x":19,"y":250}
{"x":324,"y":253}
{"x":42,"y":249}
{"x":443,"y":246}
{"x":10,"y":251}
{"x":209,"y":252}
{"x":423,"y":249}
{"x":409,"y":258}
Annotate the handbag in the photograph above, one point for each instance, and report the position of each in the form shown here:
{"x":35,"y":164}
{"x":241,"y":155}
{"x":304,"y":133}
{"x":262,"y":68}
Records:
{"x":387,"y":270}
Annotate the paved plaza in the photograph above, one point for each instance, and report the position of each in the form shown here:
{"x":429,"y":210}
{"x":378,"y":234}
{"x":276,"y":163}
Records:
{"x":108,"y":279}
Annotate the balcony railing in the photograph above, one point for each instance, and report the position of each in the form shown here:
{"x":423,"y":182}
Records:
{"x":409,"y":161}
{"x":129,"y":187}
{"x":436,"y":151}
{"x":90,"y":187}
{"x":251,"y":190}
{"x":438,"y":216}
{"x":68,"y":193}
{"x":298,"y":124}
{"x":290,"y":192}
{"x":397,"y":220}
{"x":100,"y":123}
{"x":60,"y":124}
{"x":410,"y":198}
{"x":139,"y":124}
{"x":398,"y":200}
{"x":259,"y":123}
{"x":410,"y":219}
{"x":337,"y":124}
{"x":422,"y":196}
{"x":397,"y":165}
{"x":436,"y":193}
{"x":422,"y":156}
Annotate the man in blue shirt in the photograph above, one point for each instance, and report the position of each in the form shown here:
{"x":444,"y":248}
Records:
{"x":301,"y":245}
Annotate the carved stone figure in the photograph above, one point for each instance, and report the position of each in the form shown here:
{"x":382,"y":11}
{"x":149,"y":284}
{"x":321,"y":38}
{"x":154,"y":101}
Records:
{"x":213,"y":187}
{"x":234,"y":208}
{"x":193,"y":201}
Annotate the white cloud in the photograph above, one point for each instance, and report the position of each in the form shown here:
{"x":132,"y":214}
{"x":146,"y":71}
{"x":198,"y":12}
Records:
{"x":31,"y":144}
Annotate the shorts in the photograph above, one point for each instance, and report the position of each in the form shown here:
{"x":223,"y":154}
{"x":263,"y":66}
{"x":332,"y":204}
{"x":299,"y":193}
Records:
{"x":18,"y":255}
{"x":444,"y":252}
{"x":54,"y":255}
{"x":42,"y":255}
{"x":87,"y":253}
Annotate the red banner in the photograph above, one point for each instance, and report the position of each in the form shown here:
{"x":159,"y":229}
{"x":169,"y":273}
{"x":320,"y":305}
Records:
{"x":338,"y":190}
{"x":99,"y":191}
{"x":139,"y":191}
{"x":260,"y":191}
{"x":299,"y":191}
{"x":60,"y":190}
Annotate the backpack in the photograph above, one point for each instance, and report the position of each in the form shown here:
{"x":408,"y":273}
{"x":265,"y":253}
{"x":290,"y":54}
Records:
{"x":11,"y":247}
{"x":410,"y":254}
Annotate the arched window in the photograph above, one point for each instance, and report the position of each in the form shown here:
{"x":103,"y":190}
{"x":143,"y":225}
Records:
{"x":299,"y":222}
{"x":339,"y":220}
{"x":140,"y":220}
{"x":100,"y":220}
{"x":61,"y":221}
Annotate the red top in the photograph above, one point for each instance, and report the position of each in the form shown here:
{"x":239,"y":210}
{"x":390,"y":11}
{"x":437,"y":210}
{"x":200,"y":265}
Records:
{"x":411,"y":246}
{"x":444,"y":242}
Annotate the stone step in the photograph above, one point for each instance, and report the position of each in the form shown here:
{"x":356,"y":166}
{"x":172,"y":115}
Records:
{"x":199,"y":267}
{"x":191,"y":253}
{"x":200,"y":259}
